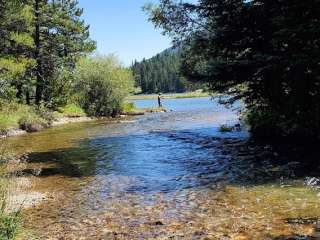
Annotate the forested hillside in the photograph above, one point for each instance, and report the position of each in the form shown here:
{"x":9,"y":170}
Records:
{"x":161,"y":74}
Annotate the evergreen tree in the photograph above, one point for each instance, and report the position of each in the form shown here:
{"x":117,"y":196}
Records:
{"x":40,"y":43}
{"x":264,"y":52}
{"x":161,"y":74}
{"x":16,"y":45}
{"x":61,"y":37}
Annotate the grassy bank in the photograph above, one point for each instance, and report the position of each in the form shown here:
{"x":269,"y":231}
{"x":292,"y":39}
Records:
{"x":14,"y":116}
{"x":169,"y":95}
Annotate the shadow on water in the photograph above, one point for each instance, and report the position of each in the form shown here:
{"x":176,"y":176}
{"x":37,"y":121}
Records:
{"x":175,"y":169}
{"x":72,"y":162}
{"x":166,"y":161}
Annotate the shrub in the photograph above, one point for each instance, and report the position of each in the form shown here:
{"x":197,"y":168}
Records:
{"x":32,"y":122}
{"x":128,"y":107}
{"x":14,"y":115}
{"x":103,"y":84}
{"x":264,"y":122}
{"x":8,"y":225}
{"x":72,"y":110}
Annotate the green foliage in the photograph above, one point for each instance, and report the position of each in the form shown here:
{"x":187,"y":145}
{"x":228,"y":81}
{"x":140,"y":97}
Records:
{"x":9,"y":224}
{"x":14,"y":116}
{"x":58,"y":91}
{"x":72,"y":110}
{"x":128,"y":107}
{"x":7,"y":91}
{"x":40,"y":43}
{"x":31,"y":122}
{"x":61,"y":38}
{"x":161,"y":74}
{"x":103,"y":84}
{"x":266,"y":53}
{"x":16,"y":45}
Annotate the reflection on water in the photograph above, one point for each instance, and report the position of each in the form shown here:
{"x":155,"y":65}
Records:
{"x":165,"y":176}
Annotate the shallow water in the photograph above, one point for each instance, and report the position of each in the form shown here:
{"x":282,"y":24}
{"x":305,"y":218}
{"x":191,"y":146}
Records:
{"x":164,"y":176}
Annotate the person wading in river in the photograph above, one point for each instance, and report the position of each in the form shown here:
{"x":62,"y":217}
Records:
{"x":160,"y":100}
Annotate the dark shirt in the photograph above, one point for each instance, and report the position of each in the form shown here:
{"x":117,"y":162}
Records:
{"x":159,"y":101}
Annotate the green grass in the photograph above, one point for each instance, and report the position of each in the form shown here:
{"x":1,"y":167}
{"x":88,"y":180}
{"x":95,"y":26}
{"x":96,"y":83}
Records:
{"x":13,"y":115}
{"x":31,"y":118}
{"x":72,"y":110}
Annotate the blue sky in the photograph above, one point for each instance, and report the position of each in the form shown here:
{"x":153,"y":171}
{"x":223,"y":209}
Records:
{"x":121,"y":27}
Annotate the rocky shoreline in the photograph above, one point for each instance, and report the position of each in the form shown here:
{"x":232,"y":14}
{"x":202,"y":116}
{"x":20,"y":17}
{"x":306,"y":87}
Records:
{"x":60,"y":121}
{"x":65,"y":120}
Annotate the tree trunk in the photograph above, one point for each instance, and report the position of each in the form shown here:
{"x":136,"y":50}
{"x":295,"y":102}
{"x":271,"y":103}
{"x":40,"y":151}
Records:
{"x":39,"y":76}
{"x":28,"y":97}
{"x":19,"y":92}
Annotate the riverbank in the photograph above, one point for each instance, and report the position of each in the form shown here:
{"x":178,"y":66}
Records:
{"x":162,"y":176}
{"x":27,"y":122}
{"x":13,"y":132}
{"x":196,"y":94}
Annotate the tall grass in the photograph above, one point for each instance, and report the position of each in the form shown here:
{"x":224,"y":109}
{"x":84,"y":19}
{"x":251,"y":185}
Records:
{"x":72,"y":110}
{"x":14,"y":116}
{"x":9,"y":221}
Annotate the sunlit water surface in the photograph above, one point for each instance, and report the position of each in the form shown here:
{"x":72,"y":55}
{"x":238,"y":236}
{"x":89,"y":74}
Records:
{"x":163,"y":176}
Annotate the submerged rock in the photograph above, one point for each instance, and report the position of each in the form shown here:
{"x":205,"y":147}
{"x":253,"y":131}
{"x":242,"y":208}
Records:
{"x":34,"y":127}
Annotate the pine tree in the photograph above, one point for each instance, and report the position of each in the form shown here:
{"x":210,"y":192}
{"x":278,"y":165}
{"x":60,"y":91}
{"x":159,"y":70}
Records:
{"x":161,"y":74}
{"x":263,"y":52}
{"x":16,"y":43}
{"x":61,"y":37}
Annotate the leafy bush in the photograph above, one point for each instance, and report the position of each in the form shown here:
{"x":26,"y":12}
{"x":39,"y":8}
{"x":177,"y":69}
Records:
{"x":14,"y":115}
{"x":102,"y":85}
{"x":59,"y":89}
{"x":8,"y":225}
{"x":7,"y":92}
{"x":72,"y":110}
{"x":264,"y":122}
{"x":32,"y":122}
{"x":128,"y":107}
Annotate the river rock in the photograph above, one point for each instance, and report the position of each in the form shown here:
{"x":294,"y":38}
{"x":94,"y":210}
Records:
{"x":13,"y":133}
{"x":34,"y":127}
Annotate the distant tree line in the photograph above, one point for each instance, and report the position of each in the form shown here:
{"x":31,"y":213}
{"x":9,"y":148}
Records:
{"x":266,"y":53}
{"x":161,"y":74}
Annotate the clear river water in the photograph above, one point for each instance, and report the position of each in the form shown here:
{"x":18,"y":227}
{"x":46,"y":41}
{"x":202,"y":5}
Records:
{"x":170,"y":175}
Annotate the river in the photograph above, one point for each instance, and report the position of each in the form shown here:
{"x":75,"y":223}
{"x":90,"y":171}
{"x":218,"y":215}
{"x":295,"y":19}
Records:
{"x":167,"y":175}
